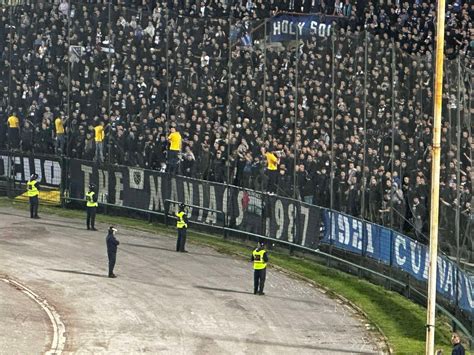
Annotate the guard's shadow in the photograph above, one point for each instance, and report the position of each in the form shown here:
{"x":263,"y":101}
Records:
{"x":173,"y":250}
{"x":146,"y":246}
{"x":221,"y":289}
{"x":78,"y":272}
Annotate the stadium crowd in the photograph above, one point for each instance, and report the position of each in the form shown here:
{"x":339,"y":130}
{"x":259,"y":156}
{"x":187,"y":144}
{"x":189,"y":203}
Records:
{"x":139,"y":68}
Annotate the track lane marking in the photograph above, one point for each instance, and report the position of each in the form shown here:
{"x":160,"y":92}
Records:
{"x":59,"y":329}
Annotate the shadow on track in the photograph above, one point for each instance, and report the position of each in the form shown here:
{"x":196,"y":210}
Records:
{"x":173,"y":250}
{"x":244,"y":340}
{"x":78,"y":272}
{"x":222,"y":289}
{"x":315,"y":303}
{"x":146,"y":246}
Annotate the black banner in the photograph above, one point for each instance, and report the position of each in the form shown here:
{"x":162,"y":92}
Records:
{"x":19,"y":167}
{"x":245,"y":210}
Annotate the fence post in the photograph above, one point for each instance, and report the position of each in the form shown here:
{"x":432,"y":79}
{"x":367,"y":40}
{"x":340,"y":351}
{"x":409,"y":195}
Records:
{"x":166,"y":212}
{"x":225,"y":224}
{"x":391,"y":260}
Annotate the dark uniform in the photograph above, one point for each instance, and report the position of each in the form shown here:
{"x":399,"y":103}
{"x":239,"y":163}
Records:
{"x":32,"y":191}
{"x":182,"y":226}
{"x":91,"y":206}
{"x":260,"y":259}
{"x":112,"y":250}
{"x":458,"y":349}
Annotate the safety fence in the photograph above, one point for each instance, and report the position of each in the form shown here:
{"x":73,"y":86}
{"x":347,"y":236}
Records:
{"x":366,"y":246}
{"x":349,"y":111}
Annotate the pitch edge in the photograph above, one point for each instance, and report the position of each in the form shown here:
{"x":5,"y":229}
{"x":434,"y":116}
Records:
{"x":59,"y":329}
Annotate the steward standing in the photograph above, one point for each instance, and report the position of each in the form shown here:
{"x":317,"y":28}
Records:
{"x":260,"y":260}
{"x":182,"y":226}
{"x":32,"y":191}
{"x":91,"y":206}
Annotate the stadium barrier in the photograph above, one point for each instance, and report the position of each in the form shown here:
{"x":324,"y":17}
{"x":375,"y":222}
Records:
{"x":339,"y":238}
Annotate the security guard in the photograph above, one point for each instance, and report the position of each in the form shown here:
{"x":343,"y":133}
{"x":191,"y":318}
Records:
{"x":32,"y":191}
{"x":260,"y":259}
{"x":182,"y":225}
{"x":112,"y":250}
{"x":91,"y":206}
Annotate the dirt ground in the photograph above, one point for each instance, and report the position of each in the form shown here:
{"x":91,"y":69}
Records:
{"x":162,"y":302}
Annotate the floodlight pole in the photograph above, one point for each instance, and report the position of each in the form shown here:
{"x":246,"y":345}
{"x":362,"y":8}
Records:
{"x":431,"y":308}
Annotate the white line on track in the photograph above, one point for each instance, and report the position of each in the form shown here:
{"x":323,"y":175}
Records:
{"x":59,"y":329}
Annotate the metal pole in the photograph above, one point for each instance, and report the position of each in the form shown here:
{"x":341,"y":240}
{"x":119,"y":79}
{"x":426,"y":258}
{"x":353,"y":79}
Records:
{"x":295,"y":150}
{"x":10,"y":50}
{"x":458,"y":158}
{"x":109,"y":55}
{"x":333,"y":119}
{"x":229,"y":108}
{"x":167,"y":73}
{"x":431,"y":309}
{"x":264,"y":118}
{"x":68,"y":99}
{"x":392,"y":148}
{"x":364,"y":176}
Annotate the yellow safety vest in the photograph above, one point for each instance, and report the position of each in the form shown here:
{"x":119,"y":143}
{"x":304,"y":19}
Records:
{"x":31,"y":189}
{"x":258,"y":262}
{"x":90,"y":199}
{"x":181,"y":223}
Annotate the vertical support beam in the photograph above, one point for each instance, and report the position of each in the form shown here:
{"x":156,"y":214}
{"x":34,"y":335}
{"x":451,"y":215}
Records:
{"x":458,"y":163}
{"x":434,"y":213}
{"x":364,"y":176}
{"x":333,"y":119}
{"x":392,"y":144}
{"x":295,"y":150}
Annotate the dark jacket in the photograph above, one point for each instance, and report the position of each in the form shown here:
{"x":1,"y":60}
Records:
{"x":111,"y":244}
{"x":458,"y":349}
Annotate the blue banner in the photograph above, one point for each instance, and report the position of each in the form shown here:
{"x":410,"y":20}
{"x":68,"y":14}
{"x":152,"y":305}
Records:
{"x":399,"y":251}
{"x":289,"y":27}
{"x":357,"y":236}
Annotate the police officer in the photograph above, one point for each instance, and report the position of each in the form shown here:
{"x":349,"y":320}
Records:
{"x":112,"y":243}
{"x":91,"y":206}
{"x":182,"y":226}
{"x":32,"y":191}
{"x":260,"y":259}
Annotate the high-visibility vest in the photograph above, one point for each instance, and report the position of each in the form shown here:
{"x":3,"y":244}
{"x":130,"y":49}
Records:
{"x":258,"y":262}
{"x":90,"y":199}
{"x":180,"y":223}
{"x":31,"y":189}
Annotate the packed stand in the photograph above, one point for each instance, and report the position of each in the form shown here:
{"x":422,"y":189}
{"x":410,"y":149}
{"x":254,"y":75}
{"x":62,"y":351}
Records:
{"x":138,"y":73}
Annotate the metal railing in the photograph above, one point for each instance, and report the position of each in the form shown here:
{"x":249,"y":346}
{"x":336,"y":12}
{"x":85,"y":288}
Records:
{"x":73,"y":187}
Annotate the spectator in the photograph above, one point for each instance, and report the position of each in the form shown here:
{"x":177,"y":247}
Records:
{"x":419,"y":215}
{"x":13,"y":124}
{"x":99,"y":136}
{"x":174,"y":150}
{"x":60,"y":137}
{"x":140,"y":70}
{"x":272,"y":167}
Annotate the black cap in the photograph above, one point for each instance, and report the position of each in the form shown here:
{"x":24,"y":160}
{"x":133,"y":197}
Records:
{"x":182,"y":206}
